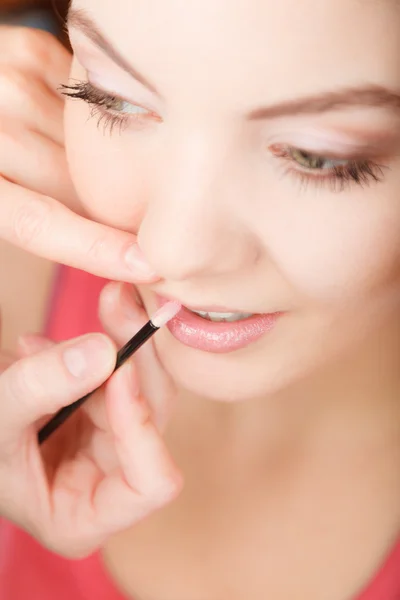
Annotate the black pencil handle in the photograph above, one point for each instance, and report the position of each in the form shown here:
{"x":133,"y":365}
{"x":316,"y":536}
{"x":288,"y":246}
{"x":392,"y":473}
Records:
{"x":123,"y":354}
{"x":59,"y":418}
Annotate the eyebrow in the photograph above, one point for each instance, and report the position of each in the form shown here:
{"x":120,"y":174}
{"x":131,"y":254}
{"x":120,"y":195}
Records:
{"x":373,"y":96}
{"x":78,"y":18}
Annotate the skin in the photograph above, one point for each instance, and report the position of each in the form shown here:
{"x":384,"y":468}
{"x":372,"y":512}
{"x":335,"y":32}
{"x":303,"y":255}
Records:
{"x":223,"y":221}
{"x":284,"y":439}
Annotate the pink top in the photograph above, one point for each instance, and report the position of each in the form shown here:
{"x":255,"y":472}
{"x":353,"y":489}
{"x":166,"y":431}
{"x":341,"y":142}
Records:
{"x":30,"y":572}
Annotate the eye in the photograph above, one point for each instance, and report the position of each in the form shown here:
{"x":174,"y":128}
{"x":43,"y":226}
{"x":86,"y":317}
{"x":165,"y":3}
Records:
{"x":313,"y":161}
{"x":121,"y":106}
{"x":110,"y":109}
{"x":338,"y":173}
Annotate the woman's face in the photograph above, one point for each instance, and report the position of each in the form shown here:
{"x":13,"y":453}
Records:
{"x":253,"y":147}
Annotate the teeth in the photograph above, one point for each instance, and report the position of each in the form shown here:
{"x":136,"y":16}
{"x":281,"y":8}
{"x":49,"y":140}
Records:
{"x":222,"y":317}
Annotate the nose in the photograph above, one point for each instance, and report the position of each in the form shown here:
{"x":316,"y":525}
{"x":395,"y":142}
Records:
{"x":192,"y":224}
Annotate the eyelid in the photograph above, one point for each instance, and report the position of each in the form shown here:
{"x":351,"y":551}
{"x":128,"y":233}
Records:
{"x":336,"y":143}
{"x":104,"y":76}
{"x":351,"y":153}
{"x":112,"y":95}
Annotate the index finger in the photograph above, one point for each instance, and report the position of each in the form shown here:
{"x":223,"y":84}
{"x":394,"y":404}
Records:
{"x":38,"y":52}
{"x":43,"y":226}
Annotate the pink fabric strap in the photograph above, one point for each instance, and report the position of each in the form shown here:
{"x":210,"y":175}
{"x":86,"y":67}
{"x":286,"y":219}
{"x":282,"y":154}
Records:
{"x":73,"y":307}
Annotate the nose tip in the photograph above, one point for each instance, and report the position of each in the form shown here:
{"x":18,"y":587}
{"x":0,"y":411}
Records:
{"x":181,"y":251}
{"x":175,"y":254}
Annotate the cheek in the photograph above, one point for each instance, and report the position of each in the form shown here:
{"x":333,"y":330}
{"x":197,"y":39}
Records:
{"x":107,"y":171}
{"x":342,"y":250}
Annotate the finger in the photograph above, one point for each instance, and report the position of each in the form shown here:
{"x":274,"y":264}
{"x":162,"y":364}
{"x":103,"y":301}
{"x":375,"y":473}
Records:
{"x":122,"y":317}
{"x":147,"y":478}
{"x":23,"y":153}
{"x":120,"y":329}
{"x":43,"y":226}
{"x":32,"y":343}
{"x":36,"y":51}
{"x":45,"y":382}
{"x":26,"y":98}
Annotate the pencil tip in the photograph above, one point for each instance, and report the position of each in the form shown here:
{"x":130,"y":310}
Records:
{"x":166,"y":313}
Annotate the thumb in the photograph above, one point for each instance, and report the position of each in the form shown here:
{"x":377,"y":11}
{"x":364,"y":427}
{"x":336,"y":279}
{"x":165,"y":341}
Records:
{"x":42,"y":383}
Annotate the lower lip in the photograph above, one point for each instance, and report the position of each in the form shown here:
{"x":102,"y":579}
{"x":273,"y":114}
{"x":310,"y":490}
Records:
{"x":210,"y":336}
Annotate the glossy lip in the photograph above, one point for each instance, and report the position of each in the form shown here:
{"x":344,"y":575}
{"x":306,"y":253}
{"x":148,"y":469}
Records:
{"x":209,"y":336}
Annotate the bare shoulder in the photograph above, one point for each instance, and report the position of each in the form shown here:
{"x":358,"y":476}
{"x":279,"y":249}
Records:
{"x":25,"y":284}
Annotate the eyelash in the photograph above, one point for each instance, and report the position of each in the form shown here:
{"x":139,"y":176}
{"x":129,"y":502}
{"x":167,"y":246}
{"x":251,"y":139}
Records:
{"x":338,"y":178}
{"x":101,"y":104}
{"x":360,"y":172}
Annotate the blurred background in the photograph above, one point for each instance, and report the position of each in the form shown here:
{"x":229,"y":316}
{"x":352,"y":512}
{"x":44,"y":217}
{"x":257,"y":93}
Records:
{"x":35,"y":13}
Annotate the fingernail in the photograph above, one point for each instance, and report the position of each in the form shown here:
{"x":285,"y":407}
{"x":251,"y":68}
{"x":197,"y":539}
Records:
{"x":137,"y":263}
{"x":87,"y":357}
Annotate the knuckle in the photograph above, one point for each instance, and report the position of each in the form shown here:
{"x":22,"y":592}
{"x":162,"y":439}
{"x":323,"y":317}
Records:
{"x":13,"y":77}
{"x":25,"y":382}
{"x":12,"y":139}
{"x":16,"y":86}
{"x":49,"y":538}
{"x":33,"y":45}
{"x":31,"y":221}
{"x":97,"y":249}
{"x":161,"y":492}
{"x":67,"y":544}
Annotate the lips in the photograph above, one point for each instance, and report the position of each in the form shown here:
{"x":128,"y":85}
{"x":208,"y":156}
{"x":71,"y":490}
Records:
{"x":218,"y":337}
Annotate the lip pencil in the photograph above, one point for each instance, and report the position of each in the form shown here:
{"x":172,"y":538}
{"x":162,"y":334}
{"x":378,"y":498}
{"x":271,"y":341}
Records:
{"x":161,"y":318}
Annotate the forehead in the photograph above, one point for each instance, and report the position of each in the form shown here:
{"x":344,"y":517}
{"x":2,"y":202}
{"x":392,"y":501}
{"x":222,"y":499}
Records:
{"x":299,"y":45}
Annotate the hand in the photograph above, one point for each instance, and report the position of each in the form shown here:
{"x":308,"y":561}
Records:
{"x":39,"y":208}
{"x":107,"y":467}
